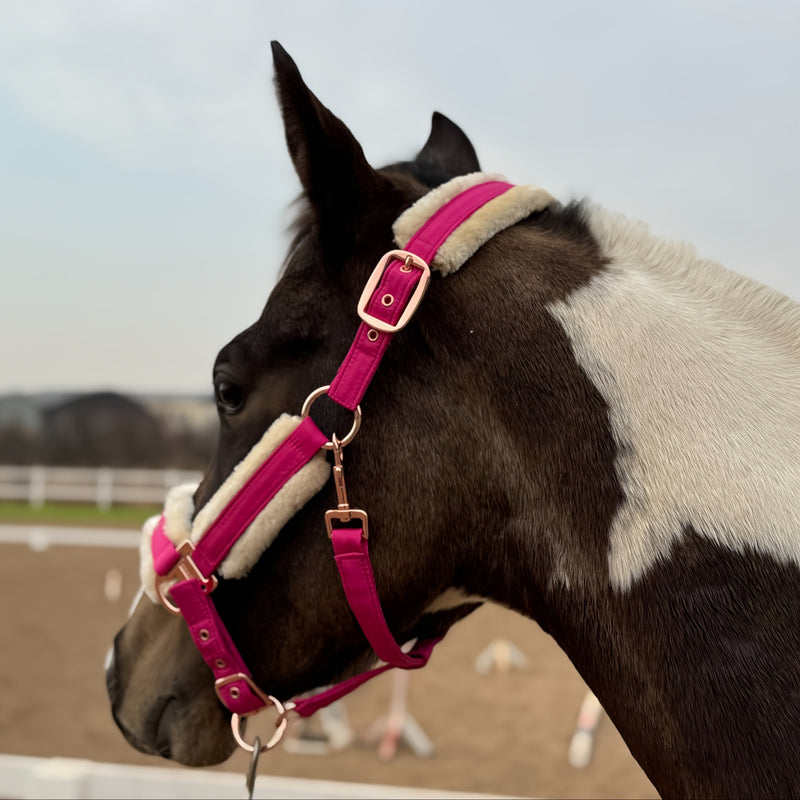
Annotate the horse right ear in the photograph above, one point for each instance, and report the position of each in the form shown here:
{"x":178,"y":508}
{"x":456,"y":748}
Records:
{"x":448,"y":151}
{"x":328,"y":159}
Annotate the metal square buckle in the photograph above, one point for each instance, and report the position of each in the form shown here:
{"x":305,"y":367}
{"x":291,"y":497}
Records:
{"x":410,"y":261}
{"x":347,"y":515}
{"x":185,"y":569}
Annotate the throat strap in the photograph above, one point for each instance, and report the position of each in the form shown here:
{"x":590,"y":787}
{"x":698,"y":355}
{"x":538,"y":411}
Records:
{"x":306,"y":706}
{"x":352,"y":560}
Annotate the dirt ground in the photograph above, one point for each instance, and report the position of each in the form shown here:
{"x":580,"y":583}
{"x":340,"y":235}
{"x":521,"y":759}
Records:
{"x":503,"y":733}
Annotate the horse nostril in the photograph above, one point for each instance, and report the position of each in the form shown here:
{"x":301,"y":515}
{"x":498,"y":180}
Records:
{"x":112,"y":684}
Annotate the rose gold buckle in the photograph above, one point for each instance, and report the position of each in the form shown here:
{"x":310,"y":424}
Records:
{"x":184,"y":570}
{"x":347,"y":515}
{"x":410,"y":260}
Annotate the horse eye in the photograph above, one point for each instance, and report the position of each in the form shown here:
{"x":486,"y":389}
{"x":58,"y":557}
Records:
{"x":230,"y":396}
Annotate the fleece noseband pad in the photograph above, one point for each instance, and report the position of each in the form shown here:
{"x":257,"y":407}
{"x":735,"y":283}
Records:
{"x":292,"y":496}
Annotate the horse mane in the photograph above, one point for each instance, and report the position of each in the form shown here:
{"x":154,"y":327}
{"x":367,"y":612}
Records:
{"x":680,"y":267}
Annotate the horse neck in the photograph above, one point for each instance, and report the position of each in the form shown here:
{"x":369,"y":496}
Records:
{"x":677,"y":649}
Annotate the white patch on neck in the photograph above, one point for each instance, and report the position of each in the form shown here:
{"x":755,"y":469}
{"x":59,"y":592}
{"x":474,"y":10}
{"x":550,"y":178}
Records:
{"x":700,"y":368}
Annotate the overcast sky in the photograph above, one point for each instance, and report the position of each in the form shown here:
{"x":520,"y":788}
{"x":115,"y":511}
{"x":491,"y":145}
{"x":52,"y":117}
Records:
{"x":144,"y":178}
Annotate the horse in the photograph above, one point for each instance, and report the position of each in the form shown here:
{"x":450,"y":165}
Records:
{"x":584,"y":423}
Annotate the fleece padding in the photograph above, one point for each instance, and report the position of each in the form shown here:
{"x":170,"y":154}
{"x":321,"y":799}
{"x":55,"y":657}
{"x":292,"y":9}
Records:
{"x":291,"y":497}
{"x":497,"y":215}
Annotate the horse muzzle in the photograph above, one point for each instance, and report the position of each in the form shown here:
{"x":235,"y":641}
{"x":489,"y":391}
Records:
{"x":161,"y":698}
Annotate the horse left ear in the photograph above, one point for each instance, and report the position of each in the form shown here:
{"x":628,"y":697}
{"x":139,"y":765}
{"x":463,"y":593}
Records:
{"x":448,"y":151}
{"x":328,"y":159}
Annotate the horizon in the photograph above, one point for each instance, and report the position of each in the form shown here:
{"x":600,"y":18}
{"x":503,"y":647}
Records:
{"x":49,"y":392}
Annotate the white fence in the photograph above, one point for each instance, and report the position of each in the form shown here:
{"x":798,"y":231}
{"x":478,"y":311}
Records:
{"x":104,"y":486}
{"x":26,"y":777}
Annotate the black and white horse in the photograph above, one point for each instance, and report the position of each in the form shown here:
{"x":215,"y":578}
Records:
{"x":587,"y":424}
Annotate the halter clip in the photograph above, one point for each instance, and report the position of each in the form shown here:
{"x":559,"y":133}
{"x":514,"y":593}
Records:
{"x":343,"y":512}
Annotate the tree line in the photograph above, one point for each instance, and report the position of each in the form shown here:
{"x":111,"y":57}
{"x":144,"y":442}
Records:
{"x":105,"y":429}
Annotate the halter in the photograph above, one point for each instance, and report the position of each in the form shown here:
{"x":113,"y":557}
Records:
{"x":186,"y":572}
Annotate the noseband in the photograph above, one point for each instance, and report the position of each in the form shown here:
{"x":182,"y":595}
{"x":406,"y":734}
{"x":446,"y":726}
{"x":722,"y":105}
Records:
{"x":185,"y":573}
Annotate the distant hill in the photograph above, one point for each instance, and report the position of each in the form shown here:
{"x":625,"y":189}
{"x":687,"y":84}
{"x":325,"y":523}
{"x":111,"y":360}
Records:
{"x":107,"y":429}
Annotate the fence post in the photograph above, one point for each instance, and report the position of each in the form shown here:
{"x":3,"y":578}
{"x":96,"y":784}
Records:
{"x":105,"y":488}
{"x":36,"y":486}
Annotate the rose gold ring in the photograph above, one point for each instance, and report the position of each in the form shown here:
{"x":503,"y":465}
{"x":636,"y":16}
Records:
{"x":351,"y":434}
{"x":280,"y":727}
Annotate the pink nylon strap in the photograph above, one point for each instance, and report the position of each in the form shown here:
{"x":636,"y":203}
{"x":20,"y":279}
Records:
{"x":165,"y":556}
{"x":215,"y":645}
{"x":205,"y":626}
{"x":293,"y":453}
{"x":434,"y":233}
{"x":224,"y":660}
{"x":352,"y":560}
{"x":306,"y":706}
{"x":361,"y":361}
{"x":287,"y":459}
{"x":364,"y":356}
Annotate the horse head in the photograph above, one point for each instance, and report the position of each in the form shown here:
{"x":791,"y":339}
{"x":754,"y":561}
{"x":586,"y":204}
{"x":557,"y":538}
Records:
{"x":289,"y":616}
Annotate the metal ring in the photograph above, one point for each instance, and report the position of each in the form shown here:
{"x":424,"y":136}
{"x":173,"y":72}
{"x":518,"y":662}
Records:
{"x":351,"y":434}
{"x":280,"y":725}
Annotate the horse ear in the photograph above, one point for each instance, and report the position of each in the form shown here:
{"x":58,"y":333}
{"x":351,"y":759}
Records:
{"x":448,"y":150}
{"x":328,"y":159}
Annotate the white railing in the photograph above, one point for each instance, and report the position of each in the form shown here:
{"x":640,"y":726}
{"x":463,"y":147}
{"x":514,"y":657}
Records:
{"x":29,"y":777}
{"x":104,"y":486}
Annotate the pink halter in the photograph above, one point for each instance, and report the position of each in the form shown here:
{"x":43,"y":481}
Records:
{"x":390,"y":298}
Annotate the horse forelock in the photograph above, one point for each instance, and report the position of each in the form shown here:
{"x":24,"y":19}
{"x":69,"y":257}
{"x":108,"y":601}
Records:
{"x":700,"y":369}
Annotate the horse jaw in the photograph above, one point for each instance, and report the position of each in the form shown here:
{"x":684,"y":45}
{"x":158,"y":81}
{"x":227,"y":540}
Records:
{"x":160,"y":689}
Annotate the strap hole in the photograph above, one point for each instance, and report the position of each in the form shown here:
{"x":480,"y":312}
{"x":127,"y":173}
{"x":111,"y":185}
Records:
{"x":204,"y":634}
{"x":372,"y":335}
{"x":235,"y":693}
{"x":219,"y":663}
{"x":387,"y":299}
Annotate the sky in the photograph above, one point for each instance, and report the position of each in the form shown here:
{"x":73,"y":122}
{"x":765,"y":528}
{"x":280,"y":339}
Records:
{"x":144,"y":179}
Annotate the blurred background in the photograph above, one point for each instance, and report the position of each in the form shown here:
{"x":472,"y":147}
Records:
{"x":144,"y":187}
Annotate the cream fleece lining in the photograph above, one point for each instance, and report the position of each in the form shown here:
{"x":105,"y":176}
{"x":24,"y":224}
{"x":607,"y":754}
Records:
{"x":291,"y":497}
{"x":497,"y":215}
